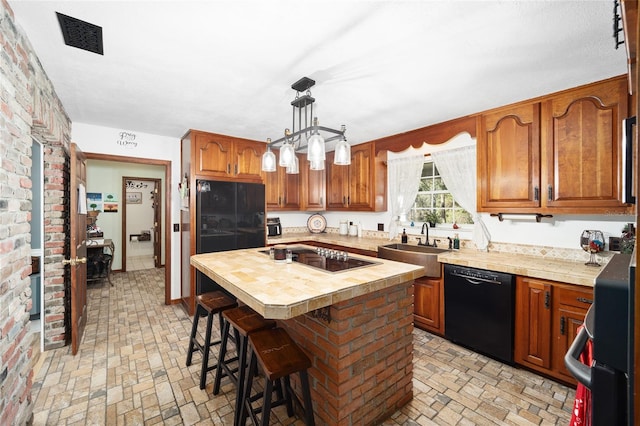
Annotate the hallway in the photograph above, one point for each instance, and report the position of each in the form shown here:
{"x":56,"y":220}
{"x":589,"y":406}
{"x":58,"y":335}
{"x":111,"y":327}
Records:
{"x":131,"y":370}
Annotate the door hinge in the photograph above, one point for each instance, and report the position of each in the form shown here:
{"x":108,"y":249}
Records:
{"x":563,"y":325}
{"x":547,"y":299}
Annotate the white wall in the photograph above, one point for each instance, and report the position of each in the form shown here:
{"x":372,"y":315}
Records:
{"x":121,"y":142}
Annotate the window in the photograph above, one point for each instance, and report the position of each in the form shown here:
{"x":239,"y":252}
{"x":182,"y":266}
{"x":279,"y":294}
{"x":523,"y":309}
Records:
{"x":434,"y":203}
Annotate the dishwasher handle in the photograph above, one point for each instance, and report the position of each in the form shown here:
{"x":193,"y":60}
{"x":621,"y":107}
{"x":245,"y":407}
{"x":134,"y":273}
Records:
{"x":474,"y":280}
{"x":581,"y":372}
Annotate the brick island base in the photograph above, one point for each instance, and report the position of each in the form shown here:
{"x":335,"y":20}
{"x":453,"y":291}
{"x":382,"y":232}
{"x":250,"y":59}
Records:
{"x":362,"y":358}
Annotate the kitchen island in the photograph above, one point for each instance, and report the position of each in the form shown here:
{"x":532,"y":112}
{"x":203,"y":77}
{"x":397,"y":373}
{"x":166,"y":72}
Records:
{"x":355,"y":325}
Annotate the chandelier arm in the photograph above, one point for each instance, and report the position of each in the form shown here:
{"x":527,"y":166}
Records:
{"x":338,"y":133}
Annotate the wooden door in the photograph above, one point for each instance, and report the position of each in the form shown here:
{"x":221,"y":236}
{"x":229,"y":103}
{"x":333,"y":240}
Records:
{"x":248,"y":160}
{"x":337,"y":185}
{"x":568,"y":319}
{"x":157,"y":224}
{"x":214,"y":155}
{"x":78,"y":256}
{"x":313,"y":185}
{"x":426,"y":305}
{"x":273,"y":192}
{"x":533,"y":322}
{"x":509,"y":158}
{"x":361,"y":185}
{"x":582,"y":132}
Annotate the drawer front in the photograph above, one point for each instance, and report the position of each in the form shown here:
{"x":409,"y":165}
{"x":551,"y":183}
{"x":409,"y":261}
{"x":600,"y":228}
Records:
{"x":578,"y":297}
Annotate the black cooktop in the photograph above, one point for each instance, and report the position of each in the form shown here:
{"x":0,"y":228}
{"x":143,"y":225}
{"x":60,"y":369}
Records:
{"x":311,"y":258}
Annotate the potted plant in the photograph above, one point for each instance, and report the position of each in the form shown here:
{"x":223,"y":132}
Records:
{"x":432,"y":217}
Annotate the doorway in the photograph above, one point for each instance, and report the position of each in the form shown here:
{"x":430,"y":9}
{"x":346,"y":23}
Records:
{"x":141,"y":223}
{"x":113,"y":168}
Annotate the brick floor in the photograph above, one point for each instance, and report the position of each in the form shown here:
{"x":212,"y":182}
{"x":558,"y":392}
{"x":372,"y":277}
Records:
{"x":131,"y":370}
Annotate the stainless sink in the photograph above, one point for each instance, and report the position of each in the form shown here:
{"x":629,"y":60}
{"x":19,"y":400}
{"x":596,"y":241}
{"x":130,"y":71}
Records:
{"x":416,"y":255}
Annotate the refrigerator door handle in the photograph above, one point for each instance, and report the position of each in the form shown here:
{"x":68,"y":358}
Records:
{"x":581,"y":372}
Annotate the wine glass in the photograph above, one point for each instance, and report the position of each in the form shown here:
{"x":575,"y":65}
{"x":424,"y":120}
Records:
{"x":592,"y":242}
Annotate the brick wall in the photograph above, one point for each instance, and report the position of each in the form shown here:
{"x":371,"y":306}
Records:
{"x":362,"y":359}
{"x":29,"y":108}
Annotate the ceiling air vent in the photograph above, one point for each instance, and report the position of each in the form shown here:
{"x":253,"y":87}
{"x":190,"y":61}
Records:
{"x":80,"y":34}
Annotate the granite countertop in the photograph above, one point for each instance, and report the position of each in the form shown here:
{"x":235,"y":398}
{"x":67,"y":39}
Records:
{"x":554,"y":269}
{"x":286,"y":290}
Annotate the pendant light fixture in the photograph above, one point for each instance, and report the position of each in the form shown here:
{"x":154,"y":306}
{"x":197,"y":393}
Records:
{"x":269,"y":159}
{"x":306,"y":137}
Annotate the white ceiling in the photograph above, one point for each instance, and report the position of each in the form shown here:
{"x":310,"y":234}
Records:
{"x":381,"y":67}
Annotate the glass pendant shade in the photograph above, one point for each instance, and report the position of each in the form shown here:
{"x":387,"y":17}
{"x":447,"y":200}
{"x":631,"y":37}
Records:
{"x":268,"y":161}
{"x":316,"y":165}
{"x":342,"y":155}
{"x":315,"y":146}
{"x":287,"y":153}
{"x":294,"y":168}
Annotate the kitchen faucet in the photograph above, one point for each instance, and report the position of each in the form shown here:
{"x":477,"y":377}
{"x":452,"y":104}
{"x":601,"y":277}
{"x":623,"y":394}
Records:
{"x":426,"y":243}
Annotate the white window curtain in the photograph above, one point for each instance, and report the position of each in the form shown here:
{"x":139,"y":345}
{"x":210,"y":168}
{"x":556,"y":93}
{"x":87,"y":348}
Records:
{"x":457,"y":168}
{"x":404,"y":182}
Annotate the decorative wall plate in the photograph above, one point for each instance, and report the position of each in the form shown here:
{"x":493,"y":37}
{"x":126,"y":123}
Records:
{"x":316,"y":223}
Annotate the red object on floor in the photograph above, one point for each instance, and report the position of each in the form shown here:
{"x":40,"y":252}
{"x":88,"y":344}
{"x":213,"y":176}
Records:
{"x":581,"y":413}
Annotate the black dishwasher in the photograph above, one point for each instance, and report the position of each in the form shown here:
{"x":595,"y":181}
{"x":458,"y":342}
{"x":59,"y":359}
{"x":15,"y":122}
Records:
{"x":478,"y":310}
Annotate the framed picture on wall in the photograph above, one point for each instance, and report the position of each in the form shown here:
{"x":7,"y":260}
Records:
{"x":134,"y":197}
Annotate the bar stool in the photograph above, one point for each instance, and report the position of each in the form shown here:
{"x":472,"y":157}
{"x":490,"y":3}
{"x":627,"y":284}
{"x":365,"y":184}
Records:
{"x":279,"y":357}
{"x":207,"y":304}
{"x":244,"y":321}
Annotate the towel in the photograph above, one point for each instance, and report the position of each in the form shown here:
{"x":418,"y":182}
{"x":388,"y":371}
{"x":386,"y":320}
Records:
{"x":581,"y":413}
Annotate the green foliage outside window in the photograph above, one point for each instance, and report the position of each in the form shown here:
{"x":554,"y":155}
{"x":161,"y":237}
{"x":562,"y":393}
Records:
{"x":434,"y":201}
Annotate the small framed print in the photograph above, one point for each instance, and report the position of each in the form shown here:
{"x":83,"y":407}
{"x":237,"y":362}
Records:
{"x":134,"y":197}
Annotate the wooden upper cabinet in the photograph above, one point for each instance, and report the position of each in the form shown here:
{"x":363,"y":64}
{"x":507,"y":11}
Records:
{"x":557,"y":154}
{"x":361,"y":186}
{"x":248,"y":159}
{"x":582,"y":138}
{"x":225,"y":157}
{"x":213,"y":155}
{"x":508,"y":153}
{"x":313,"y":186}
{"x":282,"y":189}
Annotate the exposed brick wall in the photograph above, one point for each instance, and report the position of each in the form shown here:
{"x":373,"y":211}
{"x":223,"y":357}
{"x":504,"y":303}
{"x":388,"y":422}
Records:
{"x":362,"y":359}
{"x":29,"y":108}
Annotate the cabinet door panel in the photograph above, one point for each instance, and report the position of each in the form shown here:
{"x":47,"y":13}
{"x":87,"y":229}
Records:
{"x":360,"y":177}
{"x":533,"y":322}
{"x":582,"y":147}
{"x":569,"y":318}
{"x":426,"y":303}
{"x":337,"y":185}
{"x":509,"y":158}
{"x":248,"y":160}
{"x":313,"y":185}
{"x":213,"y":155}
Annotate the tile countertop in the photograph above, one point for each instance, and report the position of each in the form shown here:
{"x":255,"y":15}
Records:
{"x":363,"y":243}
{"x":548,"y":268}
{"x":564,"y":271}
{"x":286,"y":290}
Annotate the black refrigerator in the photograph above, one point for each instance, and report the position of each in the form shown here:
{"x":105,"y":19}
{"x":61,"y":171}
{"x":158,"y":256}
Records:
{"x":229,"y":216}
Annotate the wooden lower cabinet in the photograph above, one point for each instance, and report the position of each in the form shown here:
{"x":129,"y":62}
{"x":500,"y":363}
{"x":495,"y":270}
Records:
{"x":428,"y":304}
{"x":548,"y":315}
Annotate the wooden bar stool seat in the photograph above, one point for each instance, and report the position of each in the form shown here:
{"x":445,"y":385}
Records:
{"x":207,"y":304}
{"x":244,"y":321}
{"x":279,"y":357}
